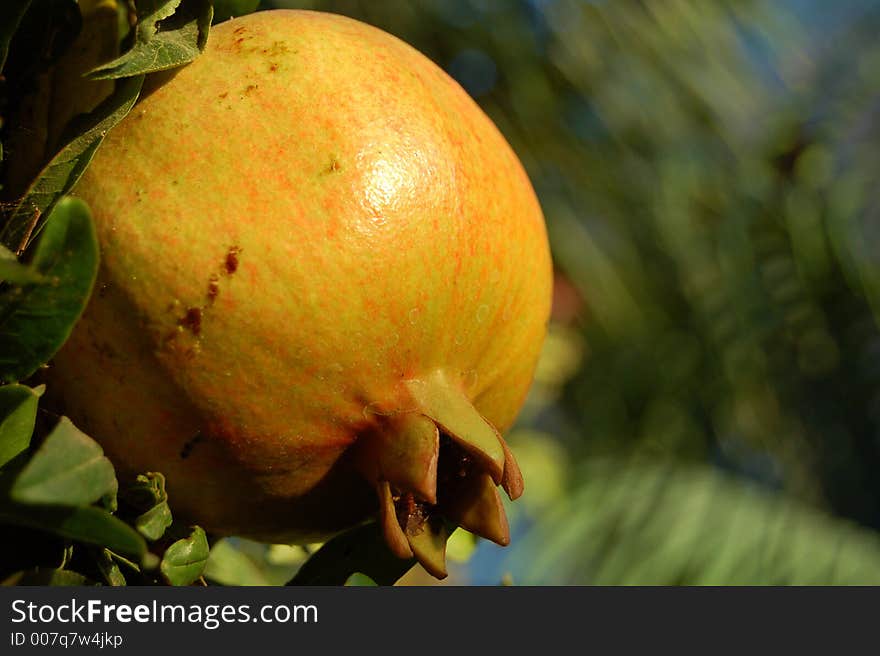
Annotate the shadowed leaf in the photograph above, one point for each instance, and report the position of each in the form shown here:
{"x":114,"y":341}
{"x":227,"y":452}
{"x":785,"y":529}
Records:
{"x":47,"y":576}
{"x":89,"y":524}
{"x":359,"y":580}
{"x":11,"y":12}
{"x":360,"y":550}
{"x":60,"y":175}
{"x":15,"y":272}
{"x":148,"y":496}
{"x":18,"y":412}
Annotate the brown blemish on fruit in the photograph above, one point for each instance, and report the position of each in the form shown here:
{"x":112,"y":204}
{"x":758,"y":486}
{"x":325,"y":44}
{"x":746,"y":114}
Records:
{"x":194,"y":315}
{"x":192,"y":320}
{"x":273,"y":67}
{"x":106,"y":350}
{"x":187,"y":448}
{"x":333,"y":167}
{"x":249,"y":89}
{"x":223,"y":95}
{"x":277,"y":48}
{"x":231,"y":263}
{"x":213,"y":288}
{"x":239,"y":32}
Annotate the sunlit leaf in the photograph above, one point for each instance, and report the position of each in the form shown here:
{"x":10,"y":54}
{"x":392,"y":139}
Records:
{"x":69,"y":468}
{"x":184,"y":561}
{"x":229,"y":566}
{"x":109,"y":568}
{"x":170,"y":33}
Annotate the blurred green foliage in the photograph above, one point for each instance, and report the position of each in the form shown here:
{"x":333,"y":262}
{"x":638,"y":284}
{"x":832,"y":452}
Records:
{"x":707,"y":170}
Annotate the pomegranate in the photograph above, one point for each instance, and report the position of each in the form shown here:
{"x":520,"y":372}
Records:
{"x":325,"y":282}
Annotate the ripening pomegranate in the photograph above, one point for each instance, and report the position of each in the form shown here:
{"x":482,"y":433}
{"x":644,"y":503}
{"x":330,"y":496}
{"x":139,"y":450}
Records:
{"x":325,"y":282}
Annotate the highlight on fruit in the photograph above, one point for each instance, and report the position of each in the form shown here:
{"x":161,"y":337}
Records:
{"x":324,"y":285}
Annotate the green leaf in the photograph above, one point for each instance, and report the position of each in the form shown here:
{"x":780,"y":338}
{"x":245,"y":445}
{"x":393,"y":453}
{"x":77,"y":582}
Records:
{"x":360,"y":580}
{"x":184,"y":561}
{"x":650,"y":523}
{"x":86,"y":524}
{"x":169,"y":33}
{"x":68,"y":469}
{"x":359,"y":550}
{"x":35,"y":320}
{"x":18,"y":413}
{"x":60,"y":175}
{"x":47,"y":576}
{"x":152,"y":524}
{"x":11,"y":12}
{"x":13,"y":271}
{"x":226,"y":9}
{"x":148,"y":496}
{"x":109,"y":568}
{"x":229,"y":566}
{"x":238,"y":561}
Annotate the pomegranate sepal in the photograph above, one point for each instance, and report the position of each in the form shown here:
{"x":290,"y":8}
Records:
{"x":429,"y":546}
{"x":408,"y":449}
{"x":423,"y":479}
{"x":476,"y":506}
{"x":391,"y":528}
{"x":438,"y":398}
{"x":512,"y":479}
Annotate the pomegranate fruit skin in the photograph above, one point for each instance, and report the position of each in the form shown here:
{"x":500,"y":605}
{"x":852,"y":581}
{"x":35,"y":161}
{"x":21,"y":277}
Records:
{"x":296,"y":229}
